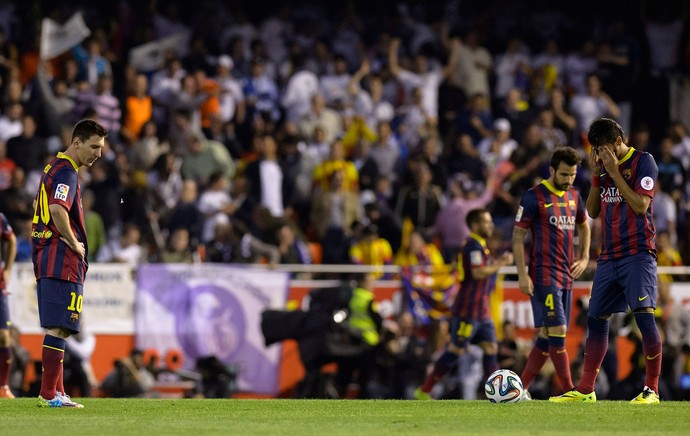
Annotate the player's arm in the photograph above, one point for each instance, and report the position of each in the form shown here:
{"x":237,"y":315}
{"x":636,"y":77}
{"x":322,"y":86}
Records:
{"x":524,"y":281}
{"x":593,"y":203}
{"x":60,"y":217}
{"x":9,"y":252}
{"x":585,"y":235}
{"x":484,"y":271}
{"x":638,"y":202}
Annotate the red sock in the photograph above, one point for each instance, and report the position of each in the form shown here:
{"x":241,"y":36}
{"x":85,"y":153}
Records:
{"x":53,"y":353}
{"x":60,"y":386}
{"x":535,"y":361}
{"x":595,"y":350}
{"x":5,"y":361}
{"x":561,"y":363}
{"x":651,"y":346}
{"x":442,"y":366}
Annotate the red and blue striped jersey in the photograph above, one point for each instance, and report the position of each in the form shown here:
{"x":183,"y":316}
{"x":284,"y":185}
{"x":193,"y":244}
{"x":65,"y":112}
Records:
{"x":6,"y":233}
{"x":51,"y":256}
{"x":551,"y":215}
{"x":472,"y":300}
{"x":625,"y":233}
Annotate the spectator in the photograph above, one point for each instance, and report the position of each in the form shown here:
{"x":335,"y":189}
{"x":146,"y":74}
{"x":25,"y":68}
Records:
{"x":93,"y":224}
{"x":267,"y":184}
{"x":293,"y":250}
{"x":27,"y":150}
{"x":450,"y":225}
{"x":178,"y":249}
{"x":129,"y":378}
{"x":138,"y":109}
{"x":420,"y":201}
{"x":333,"y":211}
{"x":11,"y":122}
{"x":203,"y":157}
{"x":91,"y":63}
{"x":125,"y":249}
{"x":370,"y":249}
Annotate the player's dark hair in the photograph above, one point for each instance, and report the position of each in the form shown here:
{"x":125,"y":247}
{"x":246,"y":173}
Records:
{"x":475,"y":215}
{"x":605,"y":131}
{"x":85,"y":129}
{"x":567,"y":155}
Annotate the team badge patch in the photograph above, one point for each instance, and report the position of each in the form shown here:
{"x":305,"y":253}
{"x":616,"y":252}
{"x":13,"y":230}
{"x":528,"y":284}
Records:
{"x":476,"y":258}
{"x":518,"y":216}
{"x":61,"y":192}
{"x":647,"y":183}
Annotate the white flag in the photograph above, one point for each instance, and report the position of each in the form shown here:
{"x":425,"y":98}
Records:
{"x":57,"y":39}
{"x":151,"y":56}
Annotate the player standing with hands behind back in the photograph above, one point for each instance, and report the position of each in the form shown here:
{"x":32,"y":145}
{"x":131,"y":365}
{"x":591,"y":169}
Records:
{"x":551,"y":210}
{"x":623,"y":182}
{"x":59,"y":254}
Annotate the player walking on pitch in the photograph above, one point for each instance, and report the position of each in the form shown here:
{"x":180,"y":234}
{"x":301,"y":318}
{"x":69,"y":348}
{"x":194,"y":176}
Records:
{"x":471,"y":321}
{"x":623,"y":185}
{"x":59,"y":253}
{"x":551,"y":210}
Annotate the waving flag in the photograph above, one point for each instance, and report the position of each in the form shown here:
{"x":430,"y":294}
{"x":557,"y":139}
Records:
{"x":57,"y":39}
{"x":426,"y":301}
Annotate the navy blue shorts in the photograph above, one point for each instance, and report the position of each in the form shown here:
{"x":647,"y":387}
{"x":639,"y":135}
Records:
{"x":4,"y":311}
{"x":59,"y":304}
{"x":551,"y":306}
{"x":622,"y":283}
{"x":464,"y":331}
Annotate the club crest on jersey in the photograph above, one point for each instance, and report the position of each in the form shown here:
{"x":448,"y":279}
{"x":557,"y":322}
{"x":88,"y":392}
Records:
{"x":627,"y":174}
{"x":74,"y":318}
{"x":61,"y":192}
{"x":647,"y":183}
{"x":571,"y":204}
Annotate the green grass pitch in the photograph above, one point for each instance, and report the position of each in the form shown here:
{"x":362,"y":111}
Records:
{"x":349,"y":417}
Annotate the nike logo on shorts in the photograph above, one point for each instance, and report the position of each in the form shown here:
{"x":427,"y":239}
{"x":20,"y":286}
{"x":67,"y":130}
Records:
{"x":642,"y":298}
{"x":653,"y":357}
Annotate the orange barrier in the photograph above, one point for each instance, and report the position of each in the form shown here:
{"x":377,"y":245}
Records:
{"x":112,"y":347}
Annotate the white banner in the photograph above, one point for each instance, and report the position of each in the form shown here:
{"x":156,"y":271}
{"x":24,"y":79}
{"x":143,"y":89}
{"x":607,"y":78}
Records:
{"x":108,"y":299}
{"x":151,"y":56}
{"x":212,"y":310}
{"x":57,"y":39}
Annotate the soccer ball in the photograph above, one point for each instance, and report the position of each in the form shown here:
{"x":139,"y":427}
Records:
{"x":504,"y":386}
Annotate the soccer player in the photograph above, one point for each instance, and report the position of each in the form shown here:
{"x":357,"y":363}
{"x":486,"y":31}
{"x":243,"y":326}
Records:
{"x":551,"y":210}
{"x":623,"y":183}
{"x":59,"y":254}
{"x":7,"y":255}
{"x":471,"y":321}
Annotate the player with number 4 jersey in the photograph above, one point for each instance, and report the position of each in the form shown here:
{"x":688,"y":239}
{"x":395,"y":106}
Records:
{"x":551,"y":211}
{"x":59,"y":251}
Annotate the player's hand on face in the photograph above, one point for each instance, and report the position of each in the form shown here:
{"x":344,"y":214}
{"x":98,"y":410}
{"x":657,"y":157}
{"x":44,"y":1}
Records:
{"x":608,"y":159}
{"x":526,"y":286}
{"x":594,"y":161}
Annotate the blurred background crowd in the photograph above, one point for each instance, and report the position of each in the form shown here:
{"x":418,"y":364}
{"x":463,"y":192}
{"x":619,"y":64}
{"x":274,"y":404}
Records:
{"x":339,"y":132}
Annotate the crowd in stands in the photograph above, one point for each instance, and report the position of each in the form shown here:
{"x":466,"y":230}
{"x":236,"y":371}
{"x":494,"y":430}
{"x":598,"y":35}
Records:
{"x":358,"y":132}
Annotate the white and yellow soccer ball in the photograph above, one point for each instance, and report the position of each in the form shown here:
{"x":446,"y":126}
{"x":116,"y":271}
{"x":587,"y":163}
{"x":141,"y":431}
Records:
{"x":504,"y":386}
